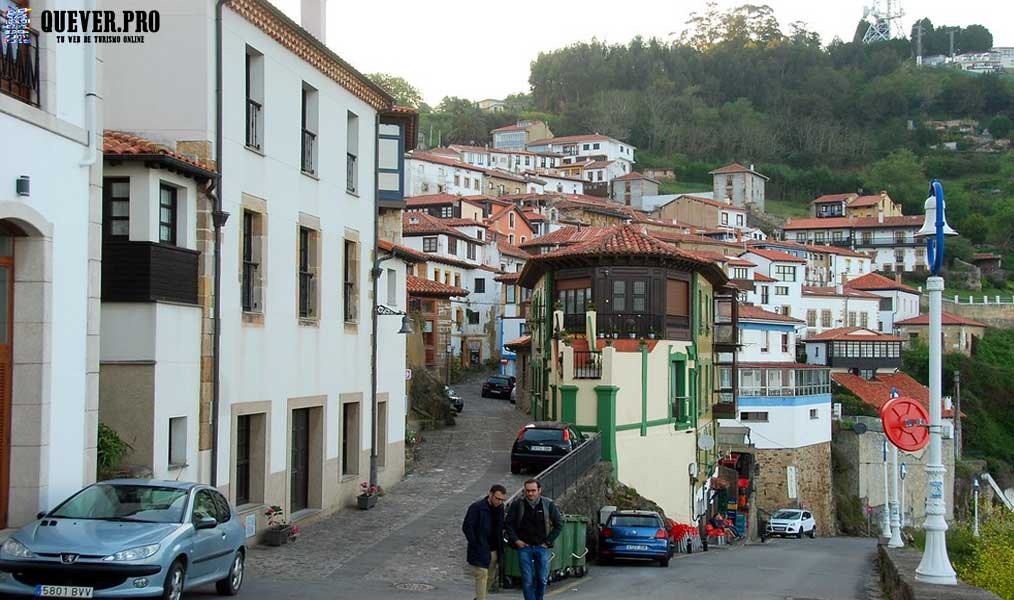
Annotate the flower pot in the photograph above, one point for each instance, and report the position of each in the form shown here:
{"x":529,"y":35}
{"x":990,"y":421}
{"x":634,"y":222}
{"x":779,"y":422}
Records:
{"x":277,"y":537}
{"x":366,"y":502}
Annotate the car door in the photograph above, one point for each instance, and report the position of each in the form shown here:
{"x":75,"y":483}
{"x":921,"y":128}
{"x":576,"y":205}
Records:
{"x":231,"y":535}
{"x":808,"y":522}
{"x":207,"y":544}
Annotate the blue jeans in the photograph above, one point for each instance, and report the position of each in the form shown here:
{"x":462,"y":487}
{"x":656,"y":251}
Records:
{"x":534,"y":562}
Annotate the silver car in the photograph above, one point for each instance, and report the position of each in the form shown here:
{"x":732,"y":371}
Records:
{"x":128,"y":538}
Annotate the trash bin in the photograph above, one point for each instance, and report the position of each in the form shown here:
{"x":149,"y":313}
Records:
{"x":575,"y":549}
{"x":511,"y":567}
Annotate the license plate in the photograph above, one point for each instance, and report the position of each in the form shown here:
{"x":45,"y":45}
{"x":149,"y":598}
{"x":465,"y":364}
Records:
{"x":62,"y":591}
{"x":636,"y":547}
{"x":542,"y":448}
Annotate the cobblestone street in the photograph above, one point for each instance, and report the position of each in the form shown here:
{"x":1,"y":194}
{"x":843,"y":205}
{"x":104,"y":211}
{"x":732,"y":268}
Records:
{"x":413,"y":535}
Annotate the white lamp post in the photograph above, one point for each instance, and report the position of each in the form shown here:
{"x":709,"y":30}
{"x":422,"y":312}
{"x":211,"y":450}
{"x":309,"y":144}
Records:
{"x":901,"y":516}
{"x":885,"y":521}
{"x":935,"y":566}
{"x":896,"y":541}
{"x":975,"y":501}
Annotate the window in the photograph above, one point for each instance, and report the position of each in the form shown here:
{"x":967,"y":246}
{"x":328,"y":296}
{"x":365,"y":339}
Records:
{"x":811,"y":317}
{"x":243,"y":459}
{"x":480,"y":285}
{"x":785,"y":273}
{"x":836,"y":236}
{"x":390,"y":162}
{"x":309,"y":128}
{"x":764,"y":294}
{"x":754,"y":416}
{"x":452,"y":246}
{"x":472,"y":316}
{"x":725,"y":218}
{"x":510,"y":220}
{"x":765,"y":341}
{"x":739,"y":220}
{"x":785,"y":342}
{"x":852,"y":318}
{"x":177,"y":442}
{"x":308,"y":302}
{"x":350,"y":438}
{"x":351,"y":281}
{"x":475,"y":184}
{"x":595,"y":146}
{"x":825,"y":318}
{"x":457,"y":180}
{"x":116,"y":216}
{"x":585,"y":147}
{"x":786,"y":310}
{"x":510,"y":239}
{"x":818,"y":237}
{"x":430,"y":244}
{"x":446,"y":212}
{"x":471,"y":250}
{"x":252,"y":244}
{"x":600,"y":176}
{"x":781,"y":290}
{"x":254,"y":98}
{"x":167,"y":215}
{"x":352,"y":153}
{"x":392,"y":287}
{"x":814,"y":414}
{"x":864,"y":320}
{"x":739,"y":273}
{"x":899,"y":257}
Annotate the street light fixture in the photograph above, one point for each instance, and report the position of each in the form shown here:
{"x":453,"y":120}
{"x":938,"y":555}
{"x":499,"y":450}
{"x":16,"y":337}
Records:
{"x":935,"y":566}
{"x":975,"y":500}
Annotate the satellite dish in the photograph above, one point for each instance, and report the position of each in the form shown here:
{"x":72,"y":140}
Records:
{"x":705,"y":442}
{"x":859,"y":428}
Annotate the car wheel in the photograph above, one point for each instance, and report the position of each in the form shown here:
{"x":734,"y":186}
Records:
{"x":234,"y":580}
{"x":799,"y":535}
{"x":664,"y":562}
{"x":813,"y":532}
{"x":175,"y":577}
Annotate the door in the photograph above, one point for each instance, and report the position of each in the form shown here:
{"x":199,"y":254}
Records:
{"x":208,"y":543}
{"x":300,"y":462}
{"x":6,"y":318}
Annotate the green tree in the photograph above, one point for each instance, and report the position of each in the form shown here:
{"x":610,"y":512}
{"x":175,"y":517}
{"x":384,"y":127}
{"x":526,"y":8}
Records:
{"x":1000,"y":127}
{"x":1001,"y":227}
{"x":975,"y":38}
{"x":404,"y":92}
{"x":974,"y":227}
{"x":901,"y":175}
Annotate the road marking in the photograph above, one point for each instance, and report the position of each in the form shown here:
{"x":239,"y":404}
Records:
{"x":567,"y":586}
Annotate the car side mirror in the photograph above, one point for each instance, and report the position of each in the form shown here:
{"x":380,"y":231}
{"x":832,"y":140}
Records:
{"x":206,"y":523}
{"x":41,"y":515}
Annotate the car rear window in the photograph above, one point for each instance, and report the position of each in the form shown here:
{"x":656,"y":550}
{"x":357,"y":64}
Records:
{"x":635,"y":521}
{"x":543,"y":435}
{"x":786,"y":514}
{"x":499,"y":380}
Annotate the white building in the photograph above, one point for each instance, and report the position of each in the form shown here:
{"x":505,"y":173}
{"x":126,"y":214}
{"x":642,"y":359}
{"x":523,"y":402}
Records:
{"x":579,"y":148}
{"x":781,"y":295}
{"x":50,"y":241}
{"x":427,"y":173}
{"x":742,"y":185}
{"x":827,"y":308}
{"x":897,"y":300}
{"x":889,"y":241}
{"x":297,"y":179}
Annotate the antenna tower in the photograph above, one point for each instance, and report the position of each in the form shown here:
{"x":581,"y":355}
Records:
{"x":884,"y":17}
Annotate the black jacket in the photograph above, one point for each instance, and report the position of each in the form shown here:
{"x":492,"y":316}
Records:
{"x":554,"y":520}
{"x":482,"y":522}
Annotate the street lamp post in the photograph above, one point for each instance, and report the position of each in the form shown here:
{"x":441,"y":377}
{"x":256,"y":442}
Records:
{"x":975,"y":502}
{"x":935,"y":566}
{"x":895,"y":541}
{"x":901,"y":516}
{"x":885,"y":522}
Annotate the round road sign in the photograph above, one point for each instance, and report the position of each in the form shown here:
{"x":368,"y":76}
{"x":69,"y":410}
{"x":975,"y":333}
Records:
{"x":906,"y":423}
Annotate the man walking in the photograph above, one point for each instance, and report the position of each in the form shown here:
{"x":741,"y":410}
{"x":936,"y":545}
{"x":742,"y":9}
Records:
{"x":482,"y":526}
{"x":533,"y":524}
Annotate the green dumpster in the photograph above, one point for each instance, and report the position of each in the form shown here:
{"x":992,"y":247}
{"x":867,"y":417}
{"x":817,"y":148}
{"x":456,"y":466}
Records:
{"x":574,"y":550}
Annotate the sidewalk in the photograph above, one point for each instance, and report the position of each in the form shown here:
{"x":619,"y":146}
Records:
{"x":413,"y":535}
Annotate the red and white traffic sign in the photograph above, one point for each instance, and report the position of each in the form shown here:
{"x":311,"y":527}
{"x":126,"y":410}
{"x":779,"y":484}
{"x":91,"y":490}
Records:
{"x":906,"y":423}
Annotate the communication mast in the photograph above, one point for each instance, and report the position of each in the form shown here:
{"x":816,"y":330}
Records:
{"x":884,"y":17}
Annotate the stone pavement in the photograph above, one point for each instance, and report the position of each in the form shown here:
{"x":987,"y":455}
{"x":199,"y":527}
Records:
{"x":413,"y":535}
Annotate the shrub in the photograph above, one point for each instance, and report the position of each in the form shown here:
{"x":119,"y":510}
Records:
{"x":111,"y":450}
{"x":990,"y":562}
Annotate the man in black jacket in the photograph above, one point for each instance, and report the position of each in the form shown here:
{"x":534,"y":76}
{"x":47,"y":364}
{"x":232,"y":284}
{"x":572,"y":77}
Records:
{"x":533,"y":524}
{"x":482,"y":527}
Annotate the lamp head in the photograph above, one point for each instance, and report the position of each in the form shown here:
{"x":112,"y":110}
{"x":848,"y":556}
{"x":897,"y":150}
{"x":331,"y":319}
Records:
{"x":929,"y":226}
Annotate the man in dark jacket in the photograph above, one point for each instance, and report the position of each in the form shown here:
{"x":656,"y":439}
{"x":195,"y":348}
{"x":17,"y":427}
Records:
{"x":483,"y":526}
{"x":533,"y":524}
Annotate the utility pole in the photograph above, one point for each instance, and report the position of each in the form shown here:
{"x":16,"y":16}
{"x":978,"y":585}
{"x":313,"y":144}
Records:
{"x":918,"y":44}
{"x":951,"y":33}
{"x":957,"y":416}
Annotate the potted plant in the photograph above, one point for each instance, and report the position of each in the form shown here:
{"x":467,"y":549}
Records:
{"x":651,"y":332}
{"x":279,"y":529}
{"x":367,"y":497}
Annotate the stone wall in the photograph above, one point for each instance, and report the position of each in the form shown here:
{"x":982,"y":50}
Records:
{"x":813,"y":482}
{"x":897,"y":578}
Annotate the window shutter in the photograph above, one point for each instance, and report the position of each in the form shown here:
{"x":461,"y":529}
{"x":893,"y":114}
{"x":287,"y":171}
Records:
{"x":355,"y":281}
{"x":677,"y":297}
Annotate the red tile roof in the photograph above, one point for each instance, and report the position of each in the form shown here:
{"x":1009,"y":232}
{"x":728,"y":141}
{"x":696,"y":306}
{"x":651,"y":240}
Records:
{"x":735,"y":261}
{"x":118,"y":143}
{"x":846,"y":292}
{"x":506,"y":128}
{"x":946,"y":319}
{"x":711,"y":202}
{"x":776,"y":256}
{"x":419,"y":286}
{"x":862,"y":201}
{"x":522,"y":342}
{"x":634,"y":175}
{"x":565,"y":235}
{"x":877,"y":391}
{"x":465,"y":223}
{"x":446,"y":260}
{"x":597,"y":164}
{"x":853,"y":222}
{"x":734,"y":168}
{"x":761,"y":277}
{"x":443,"y":160}
{"x":420,"y":223}
{"x":749,"y":312}
{"x":403,"y":252}
{"x":876,"y":281}
{"x":831,"y":198}
{"x":431,"y":200}
{"x":852,"y":334}
{"x":568,"y":139}
{"x":827,"y":249}
{"x":510,"y":250}
{"x":508,"y":277}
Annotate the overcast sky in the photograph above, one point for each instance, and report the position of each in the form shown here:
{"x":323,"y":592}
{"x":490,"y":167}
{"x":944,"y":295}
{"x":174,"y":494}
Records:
{"x":476,"y":49}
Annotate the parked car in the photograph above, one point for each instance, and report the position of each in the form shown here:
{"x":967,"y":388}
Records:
{"x":514,"y":395}
{"x":637,"y":534}
{"x":497,"y":386}
{"x":792,"y":521}
{"x":541,"y":444}
{"x":457,"y":404}
{"x":128,"y":538}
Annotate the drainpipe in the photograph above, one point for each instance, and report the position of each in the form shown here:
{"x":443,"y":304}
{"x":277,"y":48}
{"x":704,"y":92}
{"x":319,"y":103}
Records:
{"x":375,"y":277}
{"x":91,"y":94}
{"x":219,"y":217}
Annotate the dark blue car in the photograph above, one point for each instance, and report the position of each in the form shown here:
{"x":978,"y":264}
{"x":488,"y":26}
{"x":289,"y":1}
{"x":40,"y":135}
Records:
{"x":636,"y":534}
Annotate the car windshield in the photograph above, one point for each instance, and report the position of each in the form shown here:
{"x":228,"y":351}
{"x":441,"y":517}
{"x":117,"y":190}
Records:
{"x":635,"y":521}
{"x":543,"y":435}
{"x":789,"y":515}
{"x":125,"y":502}
{"x":499,"y":380}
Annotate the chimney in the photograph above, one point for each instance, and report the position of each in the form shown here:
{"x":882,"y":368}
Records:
{"x":897,"y":276}
{"x":751,"y":166}
{"x":313,"y":18}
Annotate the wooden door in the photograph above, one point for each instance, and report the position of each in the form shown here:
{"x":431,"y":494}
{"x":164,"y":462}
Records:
{"x":6,"y":319}
{"x":300,"y":463}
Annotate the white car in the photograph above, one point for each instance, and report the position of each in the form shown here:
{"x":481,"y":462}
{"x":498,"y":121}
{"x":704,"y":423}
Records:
{"x":792,"y":521}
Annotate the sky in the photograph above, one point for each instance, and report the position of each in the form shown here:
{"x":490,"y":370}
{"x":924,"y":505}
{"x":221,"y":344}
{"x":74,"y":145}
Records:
{"x":476,"y":49}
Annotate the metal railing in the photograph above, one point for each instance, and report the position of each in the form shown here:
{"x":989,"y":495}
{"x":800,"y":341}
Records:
{"x":19,"y":67}
{"x":564,"y":473}
{"x":253,"y":120}
{"x":351,"y":181}
{"x":587,"y":364}
{"x":784,"y":390}
{"x":309,"y":141}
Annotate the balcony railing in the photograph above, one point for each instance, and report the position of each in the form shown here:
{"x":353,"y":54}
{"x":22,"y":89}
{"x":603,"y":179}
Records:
{"x":253,"y":120}
{"x":629,"y":325}
{"x":148,"y":272}
{"x":309,"y":150}
{"x":587,"y":364}
{"x":787,"y":391}
{"x":19,"y":67}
